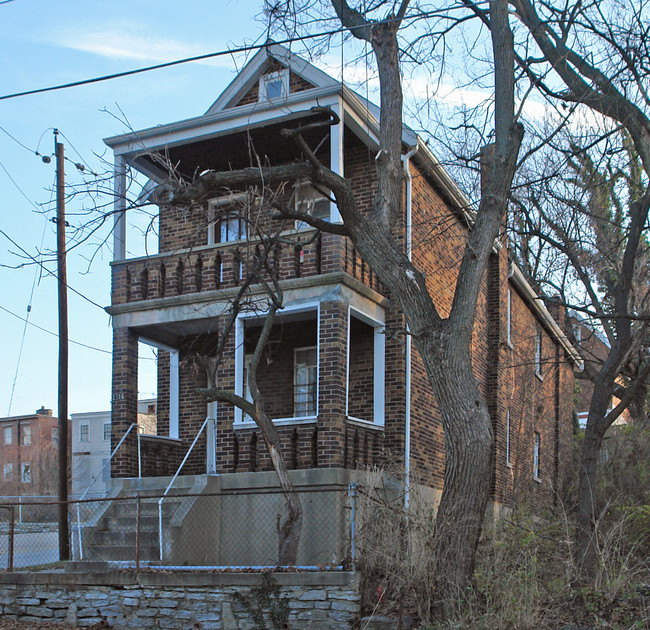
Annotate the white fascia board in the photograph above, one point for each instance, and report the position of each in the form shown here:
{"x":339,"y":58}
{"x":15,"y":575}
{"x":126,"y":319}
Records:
{"x":249,"y":75}
{"x":539,"y":308}
{"x":228,"y":121}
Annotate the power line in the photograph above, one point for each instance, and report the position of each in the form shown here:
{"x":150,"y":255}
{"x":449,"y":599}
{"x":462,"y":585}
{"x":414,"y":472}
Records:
{"x":169,"y":64}
{"x":37,"y":272}
{"x":49,"y":332}
{"x":48,"y":271}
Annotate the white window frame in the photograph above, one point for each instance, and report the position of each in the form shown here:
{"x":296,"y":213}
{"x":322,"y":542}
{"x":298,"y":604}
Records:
{"x":508,"y":439}
{"x":509,"y":318}
{"x":107,"y":425}
{"x":26,"y":473}
{"x":306,"y":197}
{"x":537,"y":453}
{"x":281,"y":77}
{"x":538,"y":352}
{"x":240,"y":418}
{"x":8,"y":472}
{"x":26,"y":434}
{"x":86,"y":433}
{"x":295,"y":384}
{"x":379,"y":366}
{"x":8,"y":435}
{"x":220,"y":216}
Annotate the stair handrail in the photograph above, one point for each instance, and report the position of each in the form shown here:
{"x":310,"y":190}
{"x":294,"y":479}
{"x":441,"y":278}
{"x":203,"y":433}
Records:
{"x":171,"y":483}
{"x":101,"y":474}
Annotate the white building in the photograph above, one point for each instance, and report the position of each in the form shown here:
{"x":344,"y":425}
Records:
{"x":91,"y":447}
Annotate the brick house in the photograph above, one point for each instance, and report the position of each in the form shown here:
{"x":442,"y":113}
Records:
{"x":28,"y":454}
{"x":346,"y":388}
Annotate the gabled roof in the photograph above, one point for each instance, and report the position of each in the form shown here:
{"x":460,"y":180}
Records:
{"x":251,"y":72}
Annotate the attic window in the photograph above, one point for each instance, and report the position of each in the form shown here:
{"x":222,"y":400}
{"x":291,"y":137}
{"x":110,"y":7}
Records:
{"x":274,"y":85}
{"x":311,"y":201}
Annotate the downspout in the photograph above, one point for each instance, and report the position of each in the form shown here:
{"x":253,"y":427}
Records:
{"x":407,"y":406}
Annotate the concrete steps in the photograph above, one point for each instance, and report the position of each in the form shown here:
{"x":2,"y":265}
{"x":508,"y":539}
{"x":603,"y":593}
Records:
{"x":113,"y":537}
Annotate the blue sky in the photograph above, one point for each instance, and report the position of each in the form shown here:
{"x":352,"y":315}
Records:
{"x":48,"y":42}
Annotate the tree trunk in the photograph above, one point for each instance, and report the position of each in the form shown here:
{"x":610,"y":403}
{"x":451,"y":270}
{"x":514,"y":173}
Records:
{"x":468,"y":469}
{"x":290,"y":522}
{"x":586,"y":552}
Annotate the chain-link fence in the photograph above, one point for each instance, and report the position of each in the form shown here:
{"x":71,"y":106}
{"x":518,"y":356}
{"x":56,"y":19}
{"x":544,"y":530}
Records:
{"x":242,"y":528}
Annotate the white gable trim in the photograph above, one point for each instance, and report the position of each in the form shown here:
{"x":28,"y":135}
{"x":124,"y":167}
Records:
{"x":250,"y":74}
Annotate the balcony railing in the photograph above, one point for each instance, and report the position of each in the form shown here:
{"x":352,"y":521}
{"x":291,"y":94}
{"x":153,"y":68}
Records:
{"x":223,"y":267}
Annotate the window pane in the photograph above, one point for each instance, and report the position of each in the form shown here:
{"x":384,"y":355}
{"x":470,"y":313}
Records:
{"x":27,"y":434}
{"x":8,"y":435}
{"x":27,"y":473}
{"x":305,"y":373}
{"x":84,"y":433}
{"x":274,"y":88}
{"x":107,"y":431}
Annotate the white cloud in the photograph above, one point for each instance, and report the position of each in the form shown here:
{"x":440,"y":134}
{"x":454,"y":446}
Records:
{"x":119,"y":43}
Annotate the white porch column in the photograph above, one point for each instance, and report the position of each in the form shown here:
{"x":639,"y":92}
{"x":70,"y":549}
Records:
{"x":336,"y":153}
{"x":174,"y":393}
{"x":119,"y":229}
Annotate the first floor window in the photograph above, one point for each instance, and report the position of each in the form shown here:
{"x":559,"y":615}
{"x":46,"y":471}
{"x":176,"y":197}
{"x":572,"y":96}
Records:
{"x":84,"y":433}
{"x":305,"y":369}
{"x":536,"y":454}
{"x":27,"y":473}
{"x":8,"y":471}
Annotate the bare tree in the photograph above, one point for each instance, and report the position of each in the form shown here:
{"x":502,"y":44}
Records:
{"x":442,"y":342}
{"x":594,"y":57}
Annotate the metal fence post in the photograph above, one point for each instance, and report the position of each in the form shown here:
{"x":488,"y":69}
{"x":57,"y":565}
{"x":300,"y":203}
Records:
{"x":20,"y":510}
{"x":11,"y":540}
{"x":352,"y":494}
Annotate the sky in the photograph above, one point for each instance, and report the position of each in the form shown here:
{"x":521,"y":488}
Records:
{"x":50,"y":42}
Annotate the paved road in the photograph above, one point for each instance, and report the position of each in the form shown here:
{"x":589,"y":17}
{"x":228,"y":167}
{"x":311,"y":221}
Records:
{"x":30,"y":549}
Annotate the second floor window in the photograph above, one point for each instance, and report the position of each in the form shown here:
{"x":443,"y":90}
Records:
{"x":107,"y":431}
{"x":26,"y":430}
{"x":84,"y":433}
{"x":229,"y":228}
{"x":311,"y":201}
{"x":305,"y":370}
{"x":8,"y":435}
{"x":228,"y":217}
{"x":538,"y":352}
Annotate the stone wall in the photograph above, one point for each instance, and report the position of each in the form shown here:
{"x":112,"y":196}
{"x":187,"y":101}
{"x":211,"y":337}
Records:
{"x":218,"y":601}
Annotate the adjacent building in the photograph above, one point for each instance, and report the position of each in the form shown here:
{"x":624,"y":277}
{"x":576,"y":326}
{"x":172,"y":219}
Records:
{"x":29,"y":454}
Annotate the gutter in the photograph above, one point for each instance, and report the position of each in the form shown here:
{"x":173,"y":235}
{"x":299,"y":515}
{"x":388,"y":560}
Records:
{"x":406,"y":159}
{"x":537,"y":305}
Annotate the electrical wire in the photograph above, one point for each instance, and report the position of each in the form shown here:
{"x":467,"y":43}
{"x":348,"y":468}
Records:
{"x":49,"y":332}
{"x":37,"y":273}
{"x":20,"y":190}
{"x":48,"y":271}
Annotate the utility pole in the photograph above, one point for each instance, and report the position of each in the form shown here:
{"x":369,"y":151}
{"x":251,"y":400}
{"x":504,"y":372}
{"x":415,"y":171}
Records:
{"x":64,"y":536}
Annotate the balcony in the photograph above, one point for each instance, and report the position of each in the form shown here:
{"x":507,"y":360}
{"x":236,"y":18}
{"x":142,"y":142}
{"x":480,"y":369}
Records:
{"x":211,"y":268}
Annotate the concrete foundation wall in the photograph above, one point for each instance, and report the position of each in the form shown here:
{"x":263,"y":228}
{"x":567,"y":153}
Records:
{"x":163,"y":600}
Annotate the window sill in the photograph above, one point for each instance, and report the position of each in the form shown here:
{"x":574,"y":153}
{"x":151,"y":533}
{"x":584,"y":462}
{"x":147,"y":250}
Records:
{"x":367,"y":424}
{"x":540,"y":376}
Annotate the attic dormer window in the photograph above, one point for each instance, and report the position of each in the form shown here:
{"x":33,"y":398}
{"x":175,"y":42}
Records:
{"x":274,"y":85}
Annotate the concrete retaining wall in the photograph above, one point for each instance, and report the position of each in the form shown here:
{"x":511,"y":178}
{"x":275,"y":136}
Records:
{"x":218,"y":601}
